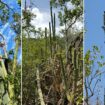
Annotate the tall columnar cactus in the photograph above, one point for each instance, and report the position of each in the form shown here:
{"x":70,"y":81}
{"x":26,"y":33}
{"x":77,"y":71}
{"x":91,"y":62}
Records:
{"x":63,"y":73}
{"x":75,"y":71}
{"x":25,"y":4}
{"x":50,"y":39}
{"x":54,"y":28}
{"x":53,"y":24}
{"x":74,"y":64}
{"x":51,"y":16}
{"x":45,"y":42}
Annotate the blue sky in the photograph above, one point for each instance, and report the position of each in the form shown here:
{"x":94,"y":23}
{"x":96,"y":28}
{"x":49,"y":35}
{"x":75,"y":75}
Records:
{"x":45,"y":6}
{"x":94,"y":33}
{"x":5,"y":29}
{"x":43,"y":11}
{"x":39,"y":4}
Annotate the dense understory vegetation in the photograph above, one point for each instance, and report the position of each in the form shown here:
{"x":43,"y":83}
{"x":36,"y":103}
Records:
{"x":53,"y":65}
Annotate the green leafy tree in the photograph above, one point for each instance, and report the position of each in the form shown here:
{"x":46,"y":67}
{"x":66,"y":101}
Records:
{"x":93,"y":63}
{"x":68,"y":16}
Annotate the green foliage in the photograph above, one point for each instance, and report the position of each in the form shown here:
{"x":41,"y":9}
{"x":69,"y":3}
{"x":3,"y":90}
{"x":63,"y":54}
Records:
{"x":93,"y":58}
{"x":27,"y":17}
{"x":93,"y":63}
{"x":19,"y":2}
{"x":65,"y":14}
{"x":4,"y":13}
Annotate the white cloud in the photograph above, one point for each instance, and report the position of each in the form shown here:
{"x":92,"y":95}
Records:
{"x":42,"y":18}
{"x":70,"y":5}
{"x":78,"y":25}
